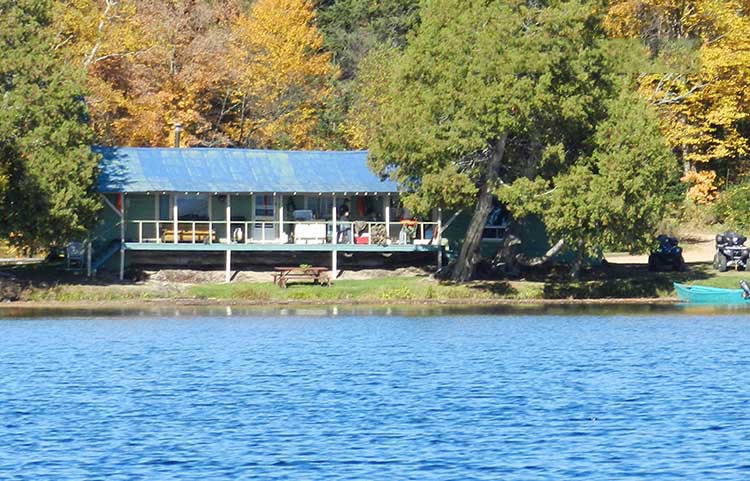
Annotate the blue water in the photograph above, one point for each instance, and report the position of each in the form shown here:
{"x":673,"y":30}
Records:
{"x":655,"y":396}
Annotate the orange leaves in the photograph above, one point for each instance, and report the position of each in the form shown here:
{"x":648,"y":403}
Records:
{"x":258,"y":78}
{"x":702,"y":186}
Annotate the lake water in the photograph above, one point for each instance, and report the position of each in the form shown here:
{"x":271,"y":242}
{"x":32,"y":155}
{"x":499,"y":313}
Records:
{"x":535,"y":394}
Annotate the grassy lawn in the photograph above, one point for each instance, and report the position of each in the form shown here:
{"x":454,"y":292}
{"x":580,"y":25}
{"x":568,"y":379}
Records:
{"x":50,"y":283}
{"x":370,"y":290}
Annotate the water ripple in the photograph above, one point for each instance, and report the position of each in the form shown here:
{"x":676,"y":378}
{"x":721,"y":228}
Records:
{"x":375,"y":397}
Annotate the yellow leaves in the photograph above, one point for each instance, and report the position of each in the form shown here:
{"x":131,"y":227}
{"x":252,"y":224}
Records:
{"x":283,"y":76}
{"x":258,"y":78}
{"x":636,"y":18}
{"x":702,"y":186}
{"x":703,"y":113}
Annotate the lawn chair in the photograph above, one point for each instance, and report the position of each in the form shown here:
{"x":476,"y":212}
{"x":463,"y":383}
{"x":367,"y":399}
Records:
{"x":74,"y":253}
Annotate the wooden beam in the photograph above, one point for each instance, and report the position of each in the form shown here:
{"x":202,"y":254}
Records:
{"x":175,"y":216}
{"x":228,"y":270}
{"x":111,"y":205}
{"x":228,"y":220}
{"x":122,"y":237}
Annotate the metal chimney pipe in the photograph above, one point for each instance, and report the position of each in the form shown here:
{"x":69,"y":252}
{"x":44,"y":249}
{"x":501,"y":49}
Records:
{"x":177,"y":130}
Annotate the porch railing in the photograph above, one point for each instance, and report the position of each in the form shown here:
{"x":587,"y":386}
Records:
{"x":252,"y":232}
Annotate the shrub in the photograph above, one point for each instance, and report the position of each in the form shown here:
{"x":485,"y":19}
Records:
{"x":733,"y":207}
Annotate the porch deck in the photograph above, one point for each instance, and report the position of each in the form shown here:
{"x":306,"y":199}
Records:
{"x":241,"y":247}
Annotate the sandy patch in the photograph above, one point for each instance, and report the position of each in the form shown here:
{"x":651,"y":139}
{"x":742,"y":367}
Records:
{"x":187,"y":276}
{"x":695,"y":249}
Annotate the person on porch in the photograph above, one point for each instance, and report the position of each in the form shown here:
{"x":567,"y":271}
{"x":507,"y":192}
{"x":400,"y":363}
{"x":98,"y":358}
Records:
{"x":344,"y":225}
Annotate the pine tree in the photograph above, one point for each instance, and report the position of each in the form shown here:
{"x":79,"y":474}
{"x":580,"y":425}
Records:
{"x":613,"y":198}
{"x":47,"y":170}
{"x":484,"y":94}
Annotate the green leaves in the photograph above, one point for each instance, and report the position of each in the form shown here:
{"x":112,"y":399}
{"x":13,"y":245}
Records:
{"x":733,"y":206}
{"x":615,"y":198}
{"x":47,"y":170}
{"x":478,"y":69}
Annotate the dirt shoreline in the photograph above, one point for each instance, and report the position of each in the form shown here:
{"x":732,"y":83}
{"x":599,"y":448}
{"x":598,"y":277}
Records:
{"x":140,"y":304}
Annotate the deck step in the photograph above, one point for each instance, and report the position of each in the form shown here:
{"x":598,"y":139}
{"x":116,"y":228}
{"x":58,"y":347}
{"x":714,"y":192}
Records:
{"x":105,"y":256}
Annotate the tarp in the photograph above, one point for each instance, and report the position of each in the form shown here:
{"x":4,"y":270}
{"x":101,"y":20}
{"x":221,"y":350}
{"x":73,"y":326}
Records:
{"x":129,"y":169}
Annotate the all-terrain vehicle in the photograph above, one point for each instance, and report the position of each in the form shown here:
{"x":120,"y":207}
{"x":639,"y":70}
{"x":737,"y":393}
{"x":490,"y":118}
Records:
{"x":731,"y":252}
{"x":667,"y":255}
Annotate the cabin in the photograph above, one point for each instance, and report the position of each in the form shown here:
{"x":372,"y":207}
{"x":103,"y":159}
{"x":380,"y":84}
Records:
{"x":203,"y":206}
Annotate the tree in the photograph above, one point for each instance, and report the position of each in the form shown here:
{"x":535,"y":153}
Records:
{"x":152,"y":64}
{"x":354,"y":28}
{"x":614,"y":198}
{"x":484,"y":94}
{"x":47,"y":170}
{"x":703,"y":111}
{"x":284,"y":77}
{"x":359,"y":34}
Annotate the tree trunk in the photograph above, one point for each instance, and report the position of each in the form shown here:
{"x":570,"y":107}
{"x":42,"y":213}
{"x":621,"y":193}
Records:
{"x":512,"y":260}
{"x":538,"y":261}
{"x":577,"y":264}
{"x":469,"y":256}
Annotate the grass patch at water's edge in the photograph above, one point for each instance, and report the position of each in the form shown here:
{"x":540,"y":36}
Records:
{"x":620,"y":282}
{"x":388,"y":289}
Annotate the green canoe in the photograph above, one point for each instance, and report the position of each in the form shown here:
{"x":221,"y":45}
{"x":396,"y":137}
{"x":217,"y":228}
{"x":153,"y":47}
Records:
{"x":709,"y":295}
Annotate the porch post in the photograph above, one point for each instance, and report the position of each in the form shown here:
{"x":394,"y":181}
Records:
{"x":334,"y":238}
{"x":228,"y":270}
{"x":210,"y":219}
{"x":281,"y":216}
{"x":334,"y":222}
{"x":122,"y":236}
{"x":387,"y":217}
{"x":229,"y":219}
{"x":437,"y":236}
{"x":156,"y":216}
{"x":175,"y":216}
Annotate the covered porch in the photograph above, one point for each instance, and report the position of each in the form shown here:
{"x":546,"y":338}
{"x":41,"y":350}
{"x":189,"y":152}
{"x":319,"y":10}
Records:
{"x":172,"y":222}
{"x":255,"y":201}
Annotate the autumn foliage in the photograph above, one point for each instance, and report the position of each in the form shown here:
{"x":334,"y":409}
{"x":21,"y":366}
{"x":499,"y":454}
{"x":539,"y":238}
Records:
{"x":304,"y":74}
{"x":704,"y":110}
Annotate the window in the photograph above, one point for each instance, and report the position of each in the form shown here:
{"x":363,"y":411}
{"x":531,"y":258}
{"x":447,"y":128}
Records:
{"x":320,"y":205}
{"x":496,"y":224}
{"x":192,"y":207}
{"x":165,"y":212}
{"x":264,"y":205}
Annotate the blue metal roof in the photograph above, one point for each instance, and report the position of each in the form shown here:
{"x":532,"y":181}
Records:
{"x":128,"y":169}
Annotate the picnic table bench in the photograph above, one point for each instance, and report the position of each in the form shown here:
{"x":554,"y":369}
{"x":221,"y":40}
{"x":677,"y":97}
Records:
{"x":202,"y":236}
{"x":319,"y":275}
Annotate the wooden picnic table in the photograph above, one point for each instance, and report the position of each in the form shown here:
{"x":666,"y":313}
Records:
{"x":202,"y":236}
{"x":319,"y":275}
